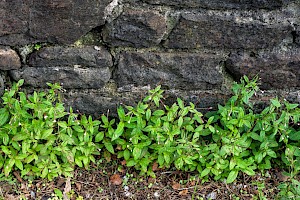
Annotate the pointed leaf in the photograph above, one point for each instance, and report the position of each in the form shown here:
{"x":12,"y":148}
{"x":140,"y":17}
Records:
{"x":232,"y":176}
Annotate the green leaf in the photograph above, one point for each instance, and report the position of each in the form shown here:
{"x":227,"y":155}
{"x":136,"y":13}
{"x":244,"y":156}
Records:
{"x":20,"y":137}
{"x":109,"y":147}
{"x":99,"y":136}
{"x":158,"y":113}
{"x":136,"y":153}
{"x":4,"y":116}
{"x":30,"y":158}
{"x":78,"y":162}
{"x":232,"y":176}
{"x":8,"y":167}
{"x":276,"y":103}
{"x":179,"y":163}
{"x":232,"y":164}
{"x":62,"y":124}
{"x":148,"y":114}
{"x":160,"y":159}
{"x":180,"y":103}
{"x":180,"y":121}
{"x":5,"y":150}
{"x":78,"y":129}
{"x":272,"y":154}
{"x":248,"y":171}
{"x":126,"y":154}
{"x":118,"y":132}
{"x":44,"y":172}
{"x":19,"y":164}
{"x":205,"y":172}
{"x":131,"y":163}
{"x":295,"y":136}
{"x":121,"y":113}
{"x":255,"y":136}
{"x":167,"y":157}
{"x":46,"y":133}
{"x":58,"y":193}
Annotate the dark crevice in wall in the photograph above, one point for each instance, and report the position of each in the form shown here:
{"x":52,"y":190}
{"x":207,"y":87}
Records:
{"x":296,"y":37}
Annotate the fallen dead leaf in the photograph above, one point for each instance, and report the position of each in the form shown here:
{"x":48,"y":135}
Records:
{"x":282,"y":177}
{"x":123,"y":162}
{"x":78,"y":186}
{"x":67,"y":189}
{"x":176,"y":186}
{"x":115,"y":179}
{"x":18,"y":177}
{"x":119,"y":147}
{"x":107,"y":156}
{"x":155,"y":166}
{"x":151,"y":180}
{"x":183,"y":192}
{"x":193,"y":183}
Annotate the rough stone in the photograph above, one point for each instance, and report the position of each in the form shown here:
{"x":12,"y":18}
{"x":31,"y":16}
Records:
{"x":68,"y":77}
{"x":97,"y":102}
{"x":87,"y":56}
{"x":17,"y":40}
{"x":278,"y":69}
{"x":73,"y":67}
{"x":136,"y":28}
{"x":9,"y":59}
{"x":14,"y":17}
{"x":222,"y":4}
{"x":189,"y":71}
{"x":230,"y":30}
{"x":64,"y":21}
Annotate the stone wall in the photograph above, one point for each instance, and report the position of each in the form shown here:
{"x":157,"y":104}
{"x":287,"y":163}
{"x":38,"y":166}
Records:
{"x":111,"y":51}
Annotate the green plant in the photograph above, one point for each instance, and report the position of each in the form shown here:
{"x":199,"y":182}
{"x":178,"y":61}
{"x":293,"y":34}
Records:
{"x":221,"y":144}
{"x":35,"y":138}
{"x":41,"y":139}
{"x":289,"y":190}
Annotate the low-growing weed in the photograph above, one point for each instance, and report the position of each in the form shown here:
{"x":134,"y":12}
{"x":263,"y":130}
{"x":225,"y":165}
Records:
{"x":40,"y":138}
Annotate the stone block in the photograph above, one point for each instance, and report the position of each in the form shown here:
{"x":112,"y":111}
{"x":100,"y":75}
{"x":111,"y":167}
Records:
{"x":14,"y":17}
{"x":9,"y":59}
{"x":81,"y":67}
{"x":68,"y":77}
{"x":136,"y":28}
{"x":230,"y":30}
{"x":188,"y":71}
{"x":277,"y":69}
{"x":222,"y":4}
{"x":97,"y":102}
{"x":87,"y":56}
{"x":64,"y":21}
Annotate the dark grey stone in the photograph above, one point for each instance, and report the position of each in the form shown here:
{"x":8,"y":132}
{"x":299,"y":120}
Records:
{"x":17,"y":40}
{"x":74,"y":67}
{"x":68,"y":77}
{"x":230,"y":30}
{"x":97,"y":102}
{"x":64,"y":21}
{"x":189,"y":71}
{"x":14,"y":17}
{"x":136,"y":28}
{"x":86,"y":56}
{"x":222,"y":4}
{"x":276,"y":69}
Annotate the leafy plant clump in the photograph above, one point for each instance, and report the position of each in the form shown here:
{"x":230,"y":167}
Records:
{"x":36,"y":139}
{"x":39,"y":138}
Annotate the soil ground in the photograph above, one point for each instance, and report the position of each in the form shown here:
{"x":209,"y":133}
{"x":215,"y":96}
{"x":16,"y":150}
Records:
{"x":114,"y":181}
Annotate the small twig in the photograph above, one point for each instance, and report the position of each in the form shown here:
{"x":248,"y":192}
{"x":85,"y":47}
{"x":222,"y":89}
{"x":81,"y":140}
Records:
{"x":18,"y":177}
{"x":192,"y":187}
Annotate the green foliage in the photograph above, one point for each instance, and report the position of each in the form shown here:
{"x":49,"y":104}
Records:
{"x":36,"y":140}
{"x":39,"y":138}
